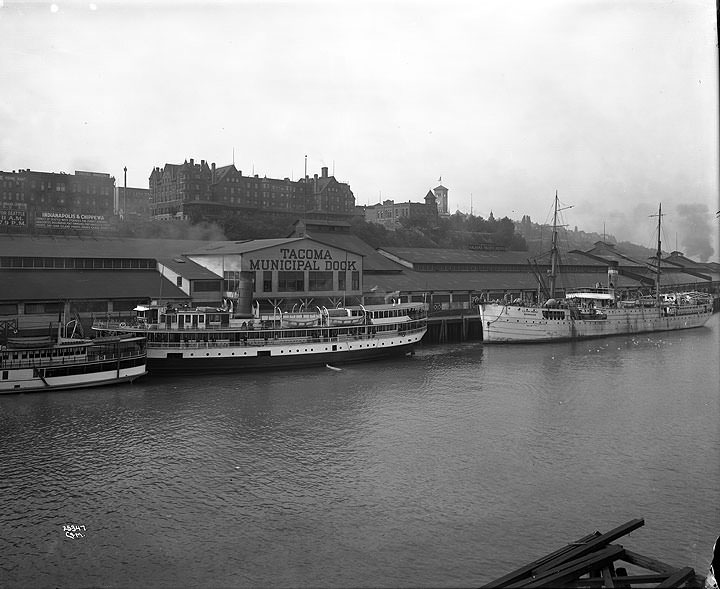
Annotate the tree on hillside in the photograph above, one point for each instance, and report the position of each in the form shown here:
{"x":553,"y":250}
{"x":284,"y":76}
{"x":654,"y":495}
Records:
{"x":255,"y":226}
{"x":175,"y":229}
{"x":378,"y":236}
{"x":458,"y":231}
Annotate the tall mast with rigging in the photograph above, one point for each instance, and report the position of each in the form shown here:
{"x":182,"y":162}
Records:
{"x":659,"y":256}
{"x":554,"y":253}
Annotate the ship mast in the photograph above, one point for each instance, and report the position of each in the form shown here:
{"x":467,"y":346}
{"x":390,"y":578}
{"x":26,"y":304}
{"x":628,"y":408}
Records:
{"x":554,"y":252}
{"x":659,"y":255}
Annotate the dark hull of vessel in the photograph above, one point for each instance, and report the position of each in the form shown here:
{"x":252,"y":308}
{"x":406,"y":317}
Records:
{"x":185,"y":365}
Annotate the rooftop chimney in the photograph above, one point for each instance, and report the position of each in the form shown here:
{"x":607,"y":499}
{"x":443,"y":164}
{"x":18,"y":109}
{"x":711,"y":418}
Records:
{"x":324,"y":171}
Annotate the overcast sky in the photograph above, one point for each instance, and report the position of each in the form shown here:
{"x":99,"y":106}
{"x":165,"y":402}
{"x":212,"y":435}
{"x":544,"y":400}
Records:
{"x":613,"y":103}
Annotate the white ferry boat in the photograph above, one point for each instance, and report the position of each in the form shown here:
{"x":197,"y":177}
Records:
{"x":43,"y":364}
{"x":592,"y":312}
{"x":183,"y":340}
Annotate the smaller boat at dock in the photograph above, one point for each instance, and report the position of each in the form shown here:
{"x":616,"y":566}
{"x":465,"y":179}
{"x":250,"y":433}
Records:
{"x":53,"y":363}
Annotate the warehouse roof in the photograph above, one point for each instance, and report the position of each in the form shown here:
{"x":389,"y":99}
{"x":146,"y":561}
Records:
{"x":252,"y":245}
{"x":27,"y":285}
{"x":606,"y":251}
{"x":58,"y":246}
{"x":412,"y":255}
{"x":412,"y":281}
{"x":188,"y":269}
{"x":373,"y":261}
{"x":238,"y":247}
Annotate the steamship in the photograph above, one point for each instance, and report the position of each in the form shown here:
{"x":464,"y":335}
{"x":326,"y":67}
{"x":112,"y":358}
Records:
{"x":39,"y":363}
{"x":192,"y":340}
{"x":592,"y":312}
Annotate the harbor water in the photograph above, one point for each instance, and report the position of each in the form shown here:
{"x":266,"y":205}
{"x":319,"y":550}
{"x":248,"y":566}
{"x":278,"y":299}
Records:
{"x":446,"y":469}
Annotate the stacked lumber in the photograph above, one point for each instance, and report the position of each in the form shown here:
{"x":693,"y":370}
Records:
{"x":593,"y":562}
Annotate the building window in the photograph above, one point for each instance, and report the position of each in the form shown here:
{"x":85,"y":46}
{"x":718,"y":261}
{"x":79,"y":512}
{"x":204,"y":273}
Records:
{"x":232,"y":281}
{"x":267,"y":281}
{"x":178,"y":281}
{"x":342,"y":280}
{"x":40,"y":308}
{"x":123,"y":306}
{"x":321,"y":281}
{"x":90,"y":306}
{"x":355,"y":280}
{"x":206,"y":286}
{"x":291,"y":281}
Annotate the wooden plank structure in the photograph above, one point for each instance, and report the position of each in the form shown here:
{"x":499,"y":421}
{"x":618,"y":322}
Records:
{"x":591,"y":562}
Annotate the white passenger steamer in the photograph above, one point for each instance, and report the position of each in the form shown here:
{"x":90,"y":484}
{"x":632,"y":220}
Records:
{"x":189,"y":340}
{"x":592,"y":312}
{"x":46,"y":364}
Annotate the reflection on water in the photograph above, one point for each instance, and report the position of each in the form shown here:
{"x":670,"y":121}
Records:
{"x":446,"y":469}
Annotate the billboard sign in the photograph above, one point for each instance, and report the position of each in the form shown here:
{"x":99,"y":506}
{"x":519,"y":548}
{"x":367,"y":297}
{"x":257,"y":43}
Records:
{"x":72,"y":221}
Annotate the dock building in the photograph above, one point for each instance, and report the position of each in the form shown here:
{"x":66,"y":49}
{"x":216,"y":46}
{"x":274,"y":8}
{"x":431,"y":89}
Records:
{"x":43,"y":278}
{"x":46,"y":277}
{"x":453,"y":279}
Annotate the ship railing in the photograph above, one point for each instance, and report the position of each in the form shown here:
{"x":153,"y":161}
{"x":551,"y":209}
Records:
{"x":264,"y":338}
{"x":116,"y":325}
{"x":42,"y":362}
{"x":161,"y":327}
{"x":591,"y":289}
{"x":66,"y":360}
{"x":268,"y":325}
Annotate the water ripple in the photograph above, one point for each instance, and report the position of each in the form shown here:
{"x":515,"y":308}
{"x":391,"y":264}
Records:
{"x":446,"y":469}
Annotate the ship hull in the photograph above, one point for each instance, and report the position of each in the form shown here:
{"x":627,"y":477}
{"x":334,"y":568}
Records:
{"x":509,"y":324}
{"x":218,"y":359}
{"x":27,"y":380}
{"x":30,"y":364}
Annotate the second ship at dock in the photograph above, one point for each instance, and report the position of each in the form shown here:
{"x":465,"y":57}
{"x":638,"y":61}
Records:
{"x":191,"y":340}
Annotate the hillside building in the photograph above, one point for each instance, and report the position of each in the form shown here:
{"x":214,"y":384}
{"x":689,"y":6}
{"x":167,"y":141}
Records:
{"x":205,"y":192}
{"x":50,"y":202}
{"x":132,"y":203}
{"x":441,"y":196}
{"x":389,"y":214}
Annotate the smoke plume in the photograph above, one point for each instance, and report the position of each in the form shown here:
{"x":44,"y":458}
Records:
{"x":694,"y":224}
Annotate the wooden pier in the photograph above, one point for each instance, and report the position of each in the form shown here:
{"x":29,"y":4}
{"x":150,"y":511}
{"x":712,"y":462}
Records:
{"x":453,"y":328}
{"x":592,"y":562}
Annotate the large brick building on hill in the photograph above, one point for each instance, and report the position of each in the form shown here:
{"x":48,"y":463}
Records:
{"x":51,"y":202}
{"x":204,"y":191}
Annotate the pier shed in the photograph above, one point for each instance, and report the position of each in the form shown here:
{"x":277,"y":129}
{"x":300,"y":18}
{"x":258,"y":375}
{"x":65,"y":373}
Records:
{"x":285,"y":272}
